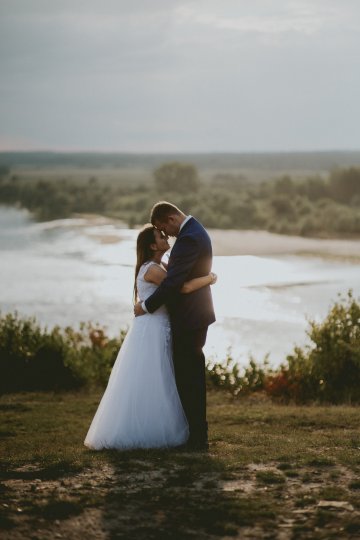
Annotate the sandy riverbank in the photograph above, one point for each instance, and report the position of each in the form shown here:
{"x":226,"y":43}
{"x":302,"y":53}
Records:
{"x":235,"y":242}
{"x":232,"y":242}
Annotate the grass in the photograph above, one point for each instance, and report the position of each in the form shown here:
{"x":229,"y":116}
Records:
{"x":268,"y":468}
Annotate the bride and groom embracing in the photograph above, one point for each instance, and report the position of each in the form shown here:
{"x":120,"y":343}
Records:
{"x":156,"y":394}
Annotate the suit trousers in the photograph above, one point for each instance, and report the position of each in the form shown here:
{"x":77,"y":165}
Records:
{"x":189,"y":364}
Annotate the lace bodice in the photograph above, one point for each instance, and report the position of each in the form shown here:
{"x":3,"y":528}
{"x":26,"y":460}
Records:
{"x":145,"y":288}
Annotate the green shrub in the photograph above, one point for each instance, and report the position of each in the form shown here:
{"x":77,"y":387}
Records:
{"x":34,"y":358}
{"x":176,"y":176}
{"x":293,"y":381}
{"x":345,"y":184}
{"x":329,"y":369}
{"x":234,"y":379}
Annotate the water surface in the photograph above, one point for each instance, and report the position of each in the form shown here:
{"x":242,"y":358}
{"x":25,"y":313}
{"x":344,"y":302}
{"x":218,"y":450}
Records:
{"x":68,"y":271}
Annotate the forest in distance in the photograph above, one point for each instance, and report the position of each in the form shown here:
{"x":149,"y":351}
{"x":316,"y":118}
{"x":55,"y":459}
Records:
{"x":306,"y":194}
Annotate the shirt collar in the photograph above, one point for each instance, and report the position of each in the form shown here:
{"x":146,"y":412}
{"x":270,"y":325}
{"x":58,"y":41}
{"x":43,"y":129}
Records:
{"x":185,"y":221}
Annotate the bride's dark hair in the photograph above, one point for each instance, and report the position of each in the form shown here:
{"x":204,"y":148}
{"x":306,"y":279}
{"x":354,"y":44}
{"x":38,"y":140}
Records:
{"x":144,"y":252}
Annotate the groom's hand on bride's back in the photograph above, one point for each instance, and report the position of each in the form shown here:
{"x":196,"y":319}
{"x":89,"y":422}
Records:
{"x":138,"y":310}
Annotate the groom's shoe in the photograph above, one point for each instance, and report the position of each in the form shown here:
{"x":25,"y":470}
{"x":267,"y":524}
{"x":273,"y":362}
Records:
{"x":198,"y":439}
{"x":180,"y":448}
{"x":194,"y":445}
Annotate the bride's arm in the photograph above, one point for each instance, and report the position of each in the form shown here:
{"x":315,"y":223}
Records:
{"x":156,"y":274}
{"x":198,"y":283}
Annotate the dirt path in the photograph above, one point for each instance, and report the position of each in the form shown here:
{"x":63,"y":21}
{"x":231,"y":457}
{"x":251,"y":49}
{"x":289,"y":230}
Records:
{"x":145,"y":503}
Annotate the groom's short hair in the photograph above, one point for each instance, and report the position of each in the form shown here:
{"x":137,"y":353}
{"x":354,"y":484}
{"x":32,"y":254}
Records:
{"x":162,"y":210}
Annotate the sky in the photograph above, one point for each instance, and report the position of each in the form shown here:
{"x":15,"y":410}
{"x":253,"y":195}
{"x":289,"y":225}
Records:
{"x":179,"y":75}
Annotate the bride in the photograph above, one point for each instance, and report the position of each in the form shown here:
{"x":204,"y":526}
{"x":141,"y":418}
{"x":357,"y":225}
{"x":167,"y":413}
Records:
{"x":141,"y":407}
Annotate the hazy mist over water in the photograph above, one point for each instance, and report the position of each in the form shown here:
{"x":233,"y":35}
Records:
{"x":73,"y":270}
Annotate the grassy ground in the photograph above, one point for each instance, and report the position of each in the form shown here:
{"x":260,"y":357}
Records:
{"x":278,"y":472}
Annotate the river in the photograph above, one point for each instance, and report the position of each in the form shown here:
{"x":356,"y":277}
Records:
{"x":79,"y":269}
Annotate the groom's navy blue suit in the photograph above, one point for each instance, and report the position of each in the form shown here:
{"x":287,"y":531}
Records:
{"x":190,"y":315}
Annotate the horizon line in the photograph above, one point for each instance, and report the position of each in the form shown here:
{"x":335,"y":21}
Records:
{"x":176,"y":152}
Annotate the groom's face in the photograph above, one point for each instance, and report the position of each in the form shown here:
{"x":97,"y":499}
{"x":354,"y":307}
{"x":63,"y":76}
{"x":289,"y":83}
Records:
{"x":170,"y":227}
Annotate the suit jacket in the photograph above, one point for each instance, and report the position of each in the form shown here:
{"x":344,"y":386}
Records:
{"x":191,"y":257}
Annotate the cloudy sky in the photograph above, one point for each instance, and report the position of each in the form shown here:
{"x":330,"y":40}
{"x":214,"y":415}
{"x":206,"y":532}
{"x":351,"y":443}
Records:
{"x":180,"y":75}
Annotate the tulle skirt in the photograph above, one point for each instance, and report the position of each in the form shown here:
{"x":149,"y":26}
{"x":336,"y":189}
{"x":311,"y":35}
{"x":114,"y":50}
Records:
{"x":141,"y":407}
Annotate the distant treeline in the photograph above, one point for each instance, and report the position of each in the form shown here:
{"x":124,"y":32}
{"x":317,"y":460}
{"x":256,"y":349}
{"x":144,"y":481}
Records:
{"x":267,"y":161}
{"x":314,"y":206}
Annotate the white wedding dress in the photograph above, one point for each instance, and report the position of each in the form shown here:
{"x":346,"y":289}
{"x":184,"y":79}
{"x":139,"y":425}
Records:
{"x":141,"y":407}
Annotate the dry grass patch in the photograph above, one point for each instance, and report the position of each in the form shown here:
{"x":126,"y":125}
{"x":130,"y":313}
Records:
{"x":272,"y":471}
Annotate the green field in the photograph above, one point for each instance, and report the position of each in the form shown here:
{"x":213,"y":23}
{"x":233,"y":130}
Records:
{"x":272,"y":471}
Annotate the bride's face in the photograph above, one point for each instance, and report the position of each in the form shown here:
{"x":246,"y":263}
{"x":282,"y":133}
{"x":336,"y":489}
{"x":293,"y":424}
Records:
{"x":161,"y":241}
{"x":170,"y":227}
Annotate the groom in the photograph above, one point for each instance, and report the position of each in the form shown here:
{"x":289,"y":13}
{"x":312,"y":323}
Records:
{"x":190,"y":314}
